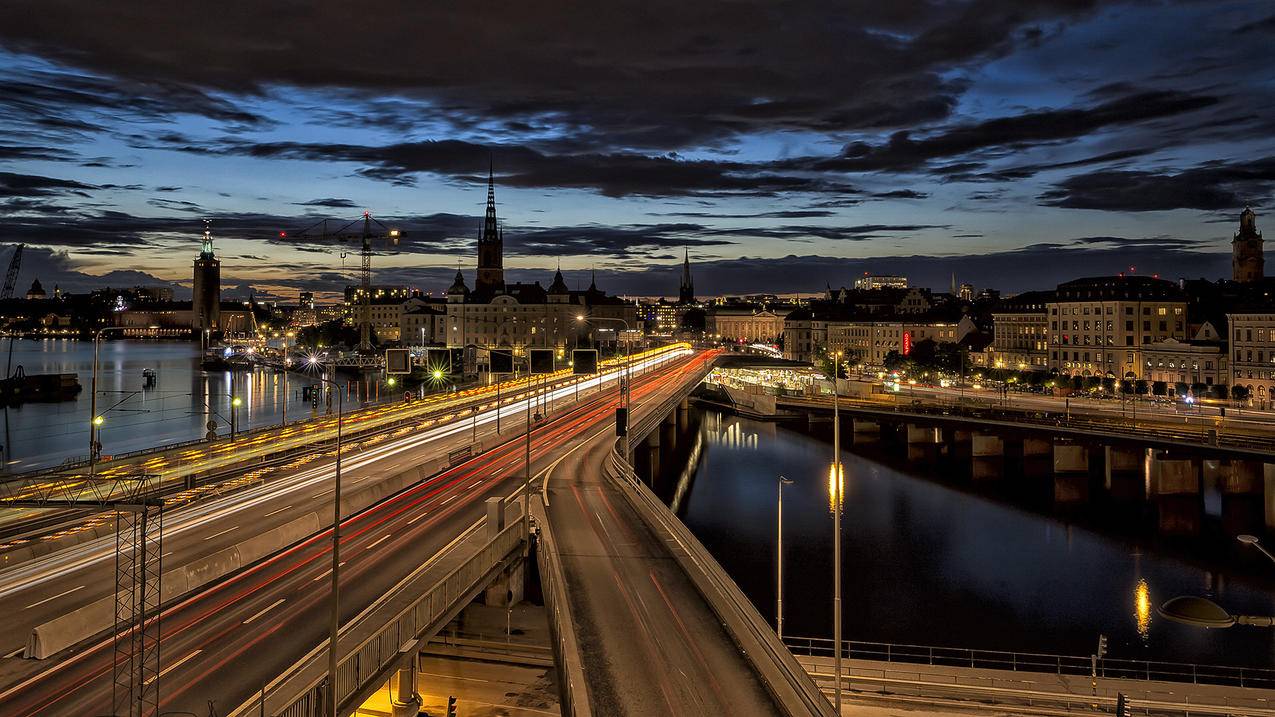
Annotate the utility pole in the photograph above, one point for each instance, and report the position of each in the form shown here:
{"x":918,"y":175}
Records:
{"x":836,"y":543}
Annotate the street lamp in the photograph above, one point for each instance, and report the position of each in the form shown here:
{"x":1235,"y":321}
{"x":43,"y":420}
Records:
{"x":779,"y":574}
{"x":95,"y":420}
{"x":1252,"y":540}
{"x":835,"y":486}
{"x":1202,"y":612}
{"x":235,"y":403}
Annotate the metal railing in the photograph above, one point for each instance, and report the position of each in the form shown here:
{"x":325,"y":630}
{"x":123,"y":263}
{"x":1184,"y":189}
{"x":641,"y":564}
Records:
{"x":573,"y":694}
{"x":375,"y":654}
{"x":1037,"y":662}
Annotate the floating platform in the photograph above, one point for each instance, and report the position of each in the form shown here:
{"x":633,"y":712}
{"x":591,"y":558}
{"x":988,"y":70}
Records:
{"x":38,"y":388}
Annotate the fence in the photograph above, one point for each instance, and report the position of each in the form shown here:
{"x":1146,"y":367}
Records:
{"x":375,"y":655}
{"x":1037,"y":662}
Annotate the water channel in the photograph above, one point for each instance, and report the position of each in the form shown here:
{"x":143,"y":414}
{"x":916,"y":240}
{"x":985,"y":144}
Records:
{"x":934,"y":558}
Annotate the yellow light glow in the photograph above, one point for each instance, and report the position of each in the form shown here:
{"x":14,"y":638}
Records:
{"x":836,"y":489}
{"x":97,"y":420}
{"x":391,"y":381}
{"x":1142,"y":608}
{"x":438,"y":373}
{"x":236,"y":401}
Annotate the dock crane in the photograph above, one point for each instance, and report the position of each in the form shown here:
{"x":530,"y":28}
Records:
{"x":320,"y":231}
{"x":11,"y":278}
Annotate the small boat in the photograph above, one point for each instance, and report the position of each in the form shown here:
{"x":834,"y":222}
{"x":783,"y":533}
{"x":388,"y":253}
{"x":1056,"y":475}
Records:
{"x":39,"y":387}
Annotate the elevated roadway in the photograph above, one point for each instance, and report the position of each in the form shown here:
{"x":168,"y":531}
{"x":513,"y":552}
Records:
{"x":648,"y":639}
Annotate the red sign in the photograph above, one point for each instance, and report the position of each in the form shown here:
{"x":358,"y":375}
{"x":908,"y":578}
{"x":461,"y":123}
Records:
{"x":907,"y":342}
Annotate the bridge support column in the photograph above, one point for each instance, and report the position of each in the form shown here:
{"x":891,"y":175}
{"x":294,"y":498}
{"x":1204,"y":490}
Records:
{"x":921,"y":441}
{"x":683,"y":415}
{"x":1071,"y":473}
{"x":1268,"y":494}
{"x":1124,"y":472}
{"x":1037,"y":447}
{"x":509,"y":588}
{"x":988,"y":454}
{"x":1175,"y":483}
{"x":1242,"y":484}
{"x":406,"y":702}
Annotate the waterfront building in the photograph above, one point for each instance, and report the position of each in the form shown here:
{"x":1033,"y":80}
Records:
{"x":1247,"y":260}
{"x":864,"y":338}
{"x":743,"y":325}
{"x":206,"y":298}
{"x":1099,"y":325}
{"x":1251,"y":349}
{"x":880,"y":281}
{"x":1192,"y":362}
{"x":1020,"y":333}
{"x":501,"y":314}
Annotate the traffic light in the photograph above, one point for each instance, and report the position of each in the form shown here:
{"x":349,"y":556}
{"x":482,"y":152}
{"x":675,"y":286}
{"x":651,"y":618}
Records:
{"x":1102,"y":646}
{"x":621,"y":421}
{"x":1122,"y":705}
{"x":451,"y":707}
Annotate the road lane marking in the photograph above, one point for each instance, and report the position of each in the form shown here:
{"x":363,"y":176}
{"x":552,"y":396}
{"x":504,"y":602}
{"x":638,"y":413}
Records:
{"x":272,"y":606}
{"x":55,"y":597}
{"x":172,"y":667}
{"x":267,"y":515}
{"x":378,"y":542}
{"x":328,"y":572}
{"x":227,"y":530}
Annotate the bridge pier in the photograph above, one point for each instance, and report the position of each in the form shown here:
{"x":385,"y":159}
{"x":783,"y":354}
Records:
{"x":865,"y":431}
{"x":1071,"y":472}
{"x":510,"y":586}
{"x":406,"y":702}
{"x":1243,"y":486}
{"x":1124,"y":473}
{"x":922,"y":442}
{"x":987,"y":452}
{"x":683,"y":414}
{"x":653,"y":456}
{"x":1175,"y":484}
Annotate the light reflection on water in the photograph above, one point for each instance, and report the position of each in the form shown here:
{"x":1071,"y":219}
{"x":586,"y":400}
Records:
{"x":932,"y":563}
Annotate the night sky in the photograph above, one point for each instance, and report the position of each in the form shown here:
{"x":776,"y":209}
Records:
{"x":1013,"y":143}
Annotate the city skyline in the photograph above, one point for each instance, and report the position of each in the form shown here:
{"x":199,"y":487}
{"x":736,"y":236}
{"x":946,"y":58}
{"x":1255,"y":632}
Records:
{"x":979,"y":139}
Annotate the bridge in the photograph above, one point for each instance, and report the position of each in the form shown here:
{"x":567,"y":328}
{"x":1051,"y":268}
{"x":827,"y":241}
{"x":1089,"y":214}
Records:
{"x":245,"y":574}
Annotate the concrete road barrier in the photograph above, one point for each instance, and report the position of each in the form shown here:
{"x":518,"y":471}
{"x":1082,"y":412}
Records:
{"x":60,"y":633}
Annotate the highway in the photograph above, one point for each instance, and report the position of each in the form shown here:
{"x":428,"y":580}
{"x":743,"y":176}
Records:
{"x":171,"y":467}
{"x":649,"y":643}
{"x":36,"y":591}
{"x":226,"y":640}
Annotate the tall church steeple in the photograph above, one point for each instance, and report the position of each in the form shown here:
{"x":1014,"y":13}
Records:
{"x":686,"y":292}
{"x":491,"y":272}
{"x":206,"y":297}
{"x":1247,"y":261}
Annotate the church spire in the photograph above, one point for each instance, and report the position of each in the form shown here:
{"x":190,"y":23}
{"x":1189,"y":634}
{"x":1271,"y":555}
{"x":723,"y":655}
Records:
{"x":491,"y":229}
{"x":491,"y":272}
{"x":686,"y":291}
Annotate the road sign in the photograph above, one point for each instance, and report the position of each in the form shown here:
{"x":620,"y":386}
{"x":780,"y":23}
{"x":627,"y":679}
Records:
{"x":398,"y":362}
{"x":541,"y":361}
{"x":501,"y":361}
{"x":584,"y":361}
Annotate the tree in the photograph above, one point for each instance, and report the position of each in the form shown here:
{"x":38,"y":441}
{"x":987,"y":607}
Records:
{"x":1141,"y":387}
{"x":1180,"y":388}
{"x":1109,"y":385}
{"x":893,"y":361}
{"x":1077,"y":382}
{"x":330,"y":333}
{"x":1126,"y":386}
{"x":1199,"y":390}
{"x":1239,"y":393}
{"x":1160,"y":388}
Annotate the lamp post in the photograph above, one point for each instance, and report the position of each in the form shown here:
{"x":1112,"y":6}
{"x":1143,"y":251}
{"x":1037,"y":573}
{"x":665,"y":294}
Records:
{"x":1252,"y":540}
{"x":1202,"y":612}
{"x":235,"y":403}
{"x":779,"y":574}
{"x":836,"y":543}
{"x":628,"y":406}
{"x":95,"y":421}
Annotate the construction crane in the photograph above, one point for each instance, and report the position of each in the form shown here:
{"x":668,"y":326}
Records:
{"x":11,"y":278}
{"x":319,"y":231}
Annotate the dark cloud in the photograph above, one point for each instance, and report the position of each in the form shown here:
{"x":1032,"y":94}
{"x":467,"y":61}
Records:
{"x":331,"y":202}
{"x":615,"y":174}
{"x":1264,"y":26}
{"x":1212,"y":186}
{"x":30,"y":185}
{"x":901,"y":194}
{"x":783,"y":214}
{"x":642,"y":73}
{"x":48,"y":154}
{"x":1017,"y":132}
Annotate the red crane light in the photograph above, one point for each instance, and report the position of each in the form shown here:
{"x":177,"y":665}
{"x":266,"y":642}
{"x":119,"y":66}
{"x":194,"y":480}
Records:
{"x":283,"y":234}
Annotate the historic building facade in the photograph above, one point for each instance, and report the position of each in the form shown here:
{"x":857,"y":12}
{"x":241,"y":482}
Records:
{"x":1020,"y":332}
{"x":1098,"y":325}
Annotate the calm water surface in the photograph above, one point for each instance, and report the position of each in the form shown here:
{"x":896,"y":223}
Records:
{"x":176,"y":409}
{"x":928,"y":561}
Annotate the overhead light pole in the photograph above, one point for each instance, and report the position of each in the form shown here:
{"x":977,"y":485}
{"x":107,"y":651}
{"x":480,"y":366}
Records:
{"x":628,"y":405}
{"x":779,"y":574}
{"x":836,"y":488}
{"x":95,"y":421}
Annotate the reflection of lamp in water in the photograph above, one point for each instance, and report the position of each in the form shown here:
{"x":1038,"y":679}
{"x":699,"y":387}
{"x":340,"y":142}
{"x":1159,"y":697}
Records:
{"x":1142,"y":608}
{"x":836,"y":490}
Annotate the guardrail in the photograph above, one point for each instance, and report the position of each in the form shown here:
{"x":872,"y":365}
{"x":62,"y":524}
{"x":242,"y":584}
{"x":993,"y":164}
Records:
{"x":374,"y":655}
{"x":1037,"y":662}
{"x":783,"y":677}
{"x":1055,"y":421}
{"x":573,"y":695}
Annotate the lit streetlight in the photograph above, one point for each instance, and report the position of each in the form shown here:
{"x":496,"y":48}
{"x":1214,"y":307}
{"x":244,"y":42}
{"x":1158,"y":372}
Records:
{"x":1252,"y":540}
{"x":1202,"y":612}
{"x":95,"y":420}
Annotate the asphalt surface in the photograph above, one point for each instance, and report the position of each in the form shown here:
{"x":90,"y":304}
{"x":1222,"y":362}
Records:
{"x":650,"y":644}
{"x":222,"y":643}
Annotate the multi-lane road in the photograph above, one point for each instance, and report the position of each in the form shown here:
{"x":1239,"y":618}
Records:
{"x":226,"y":640}
{"x":649,"y":642}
